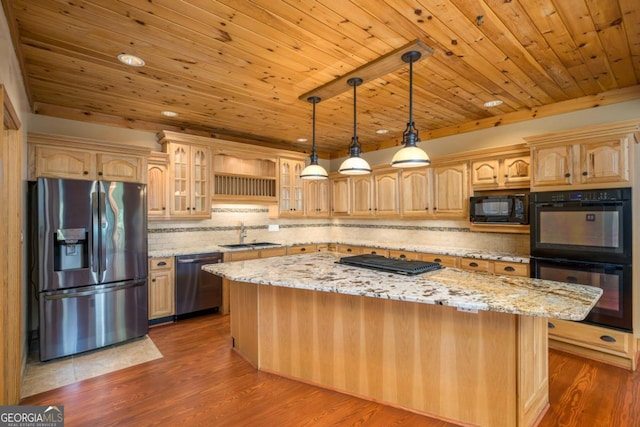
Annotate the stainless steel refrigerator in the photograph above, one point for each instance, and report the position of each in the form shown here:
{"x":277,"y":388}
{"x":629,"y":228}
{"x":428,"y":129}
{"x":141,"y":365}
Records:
{"x":89,"y":263}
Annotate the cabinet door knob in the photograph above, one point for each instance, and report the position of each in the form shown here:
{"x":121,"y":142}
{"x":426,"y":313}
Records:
{"x":85,"y":173}
{"x":153,"y":280}
{"x":100,"y":173}
{"x":585,"y":173}
{"x":567,"y":175}
{"x":494,"y":177}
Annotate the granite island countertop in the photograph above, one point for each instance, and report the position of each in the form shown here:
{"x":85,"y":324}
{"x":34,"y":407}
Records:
{"x":449,"y":286}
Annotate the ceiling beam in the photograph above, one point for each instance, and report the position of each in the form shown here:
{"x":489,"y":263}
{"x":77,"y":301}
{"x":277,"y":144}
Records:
{"x":375,"y":69}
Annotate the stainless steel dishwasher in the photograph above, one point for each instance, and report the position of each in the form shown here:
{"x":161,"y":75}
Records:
{"x":197,"y":292}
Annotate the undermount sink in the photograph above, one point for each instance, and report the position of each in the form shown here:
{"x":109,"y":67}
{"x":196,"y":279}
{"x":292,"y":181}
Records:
{"x":248,"y":245}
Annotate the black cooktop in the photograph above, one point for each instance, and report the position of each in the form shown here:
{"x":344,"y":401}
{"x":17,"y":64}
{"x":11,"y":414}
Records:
{"x":394,"y":265}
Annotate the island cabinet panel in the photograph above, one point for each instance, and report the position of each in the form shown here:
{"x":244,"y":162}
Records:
{"x":428,"y":358}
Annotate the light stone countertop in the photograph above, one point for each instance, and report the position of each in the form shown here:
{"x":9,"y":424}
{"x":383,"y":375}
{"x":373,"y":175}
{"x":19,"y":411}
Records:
{"x":449,"y":286}
{"x":440,"y":250}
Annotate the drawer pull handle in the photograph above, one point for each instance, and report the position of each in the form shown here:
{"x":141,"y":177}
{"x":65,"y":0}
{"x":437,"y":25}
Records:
{"x":373,"y":253}
{"x":608,"y":338}
{"x":437,"y":260}
{"x":402,"y":256}
{"x":162,"y":264}
{"x":572,"y":279}
{"x":349,"y":250}
{"x":473,"y":264}
{"x":551,"y":325}
{"x":303,"y":249}
{"x":509,"y":268}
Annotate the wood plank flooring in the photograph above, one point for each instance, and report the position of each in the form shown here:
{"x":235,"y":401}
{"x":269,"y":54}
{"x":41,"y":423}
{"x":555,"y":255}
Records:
{"x":200,"y":381}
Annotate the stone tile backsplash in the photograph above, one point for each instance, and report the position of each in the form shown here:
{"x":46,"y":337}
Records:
{"x":224,"y":227}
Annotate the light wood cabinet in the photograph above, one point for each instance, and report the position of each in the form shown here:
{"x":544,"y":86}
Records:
{"x":497,"y":173}
{"x":552,"y":165}
{"x":189,"y":177}
{"x":161,"y":287}
{"x":243,"y":177}
{"x":51,"y":157}
{"x":604,"y":162}
{"x":444,"y":260}
{"x":362,"y":195}
{"x":375,"y":194}
{"x":604,"y":344}
{"x":53,"y":162}
{"x":416,"y":192}
{"x":588,"y":158}
{"x":316,"y":198}
{"x":340,"y":196}
{"x":157,"y":186}
{"x":451,"y":197}
{"x":291,"y":199}
{"x":386,"y":193}
{"x":301,"y":249}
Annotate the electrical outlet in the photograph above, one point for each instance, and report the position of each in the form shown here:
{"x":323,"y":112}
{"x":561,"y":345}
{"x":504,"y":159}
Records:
{"x":274,"y":227}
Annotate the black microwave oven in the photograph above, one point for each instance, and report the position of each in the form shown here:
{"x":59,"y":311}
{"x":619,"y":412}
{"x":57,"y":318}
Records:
{"x":503,"y":209}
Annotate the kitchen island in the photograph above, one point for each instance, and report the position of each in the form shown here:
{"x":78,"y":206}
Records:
{"x":466,"y":347}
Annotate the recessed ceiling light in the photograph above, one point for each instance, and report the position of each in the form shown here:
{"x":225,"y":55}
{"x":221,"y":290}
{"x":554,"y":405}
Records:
{"x":493,"y":103}
{"x":134,"y":61}
{"x":382,"y":131}
{"x":169,"y":114}
{"x":302,"y":139}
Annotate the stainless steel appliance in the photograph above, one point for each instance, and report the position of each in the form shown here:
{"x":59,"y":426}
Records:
{"x":504,"y":209}
{"x":89,"y":263}
{"x":197,"y":291}
{"x":585,"y":237}
{"x":394,"y":265}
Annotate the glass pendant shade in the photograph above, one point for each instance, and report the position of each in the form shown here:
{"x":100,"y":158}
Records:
{"x":354,"y":165}
{"x":314,"y":170}
{"x":410,"y":155}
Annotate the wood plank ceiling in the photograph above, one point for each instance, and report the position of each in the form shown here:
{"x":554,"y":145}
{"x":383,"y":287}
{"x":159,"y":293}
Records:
{"x":236,"y":68}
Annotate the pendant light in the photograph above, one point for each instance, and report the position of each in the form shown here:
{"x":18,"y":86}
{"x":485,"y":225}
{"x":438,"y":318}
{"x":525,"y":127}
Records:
{"x":314,"y":170}
{"x":410,"y":155}
{"x":354,"y":165}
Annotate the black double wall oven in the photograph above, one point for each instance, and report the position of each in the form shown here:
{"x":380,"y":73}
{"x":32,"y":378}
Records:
{"x":585,"y":237}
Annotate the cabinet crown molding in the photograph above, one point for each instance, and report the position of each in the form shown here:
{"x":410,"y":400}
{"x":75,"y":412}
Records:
{"x":588,"y":133}
{"x":79,"y":143}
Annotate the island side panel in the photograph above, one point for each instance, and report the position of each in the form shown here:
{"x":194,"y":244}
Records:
{"x":533,"y":384}
{"x":433,"y":359}
{"x":243,"y":297}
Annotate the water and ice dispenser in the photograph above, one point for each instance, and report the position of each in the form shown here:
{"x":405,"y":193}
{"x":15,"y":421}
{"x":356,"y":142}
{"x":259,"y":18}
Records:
{"x":71,"y":249}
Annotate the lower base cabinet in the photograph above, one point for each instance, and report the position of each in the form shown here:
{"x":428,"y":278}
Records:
{"x":593,"y":342}
{"x":161,"y":288}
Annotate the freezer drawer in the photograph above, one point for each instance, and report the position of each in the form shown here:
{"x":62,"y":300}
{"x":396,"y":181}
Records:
{"x":91,"y":317}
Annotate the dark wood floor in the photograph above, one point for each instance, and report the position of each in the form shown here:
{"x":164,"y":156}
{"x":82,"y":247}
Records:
{"x":201,"y":382}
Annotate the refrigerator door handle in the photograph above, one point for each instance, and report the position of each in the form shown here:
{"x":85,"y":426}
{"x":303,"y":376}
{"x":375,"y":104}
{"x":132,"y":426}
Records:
{"x":103,"y":232}
{"x":102,"y":290}
{"x":95,"y":233}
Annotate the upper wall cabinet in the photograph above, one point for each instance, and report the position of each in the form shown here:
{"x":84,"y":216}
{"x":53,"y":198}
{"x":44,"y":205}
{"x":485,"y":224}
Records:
{"x":340,"y":195}
{"x":157,"y":186}
{"x":505,"y":172}
{"x":244,"y":179}
{"x":593,"y":157}
{"x":316,"y":197}
{"x":451,"y":196}
{"x":189,"y":180}
{"x":415,"y":188}
{"x":51,"y":157}
{"x":291,"y":199}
